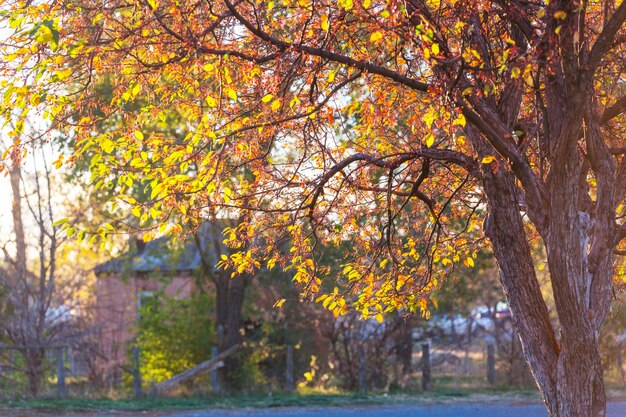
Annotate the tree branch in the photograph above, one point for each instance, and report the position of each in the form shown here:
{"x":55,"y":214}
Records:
{"x":605,"y":41}
{"x":533,"y":187}
{"x":613,"y":111}
{"x":386,"y":162}
{"x":326,"y":54}
{"x":621,"y":234}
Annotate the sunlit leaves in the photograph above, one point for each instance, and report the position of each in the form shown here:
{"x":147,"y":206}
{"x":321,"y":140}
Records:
{"x":324,"y":23}
{"x":376,"y":36}
{"x":346,"y":4}
{"x":231,"y":93}
{"x":210,"y":101}
{"x":231,"y":124}
{"x":279,"y":303}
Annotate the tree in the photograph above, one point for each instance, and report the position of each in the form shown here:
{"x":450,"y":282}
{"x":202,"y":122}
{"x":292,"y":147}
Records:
{"x":40,"y":294}
{"x":347,"y":121}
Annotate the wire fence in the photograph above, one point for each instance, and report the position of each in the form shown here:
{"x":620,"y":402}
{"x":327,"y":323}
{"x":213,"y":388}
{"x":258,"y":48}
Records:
{"x":70,"y":371}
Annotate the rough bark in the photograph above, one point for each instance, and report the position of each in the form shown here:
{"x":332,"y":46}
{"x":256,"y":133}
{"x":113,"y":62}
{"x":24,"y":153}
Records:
{"x":505,"y":229}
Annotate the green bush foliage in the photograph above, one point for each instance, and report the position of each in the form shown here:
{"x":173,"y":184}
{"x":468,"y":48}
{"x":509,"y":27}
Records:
{"x":174,"y":335}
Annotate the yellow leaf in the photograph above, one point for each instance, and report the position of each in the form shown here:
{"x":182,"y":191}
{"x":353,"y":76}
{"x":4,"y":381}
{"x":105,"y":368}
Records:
{"x":376,"y":36}
{"x":270,"y":5}
{"x":528,"y":79}
{"x":324,"y":23}
{"x":232,"y":94}
{"x":137,"y":211}
{"x":346,"y":4}
{"x":271,"y":263}
{"x":470,"y":262}
{"x":460,"y":120}
{"x":515,"y":72}
{"x":560,"y":15}
{"x":366,"y":4}
{"x":294,"y":101}
{"x":488,"y":159}
{"x":279,"y":303}
{"x":276,"y":105}
{"x":379,"y":318}
{"x":138,"y":135}
{"x":435,"y":48}
{"x":210,"y":101}
{"x":541,"y":13}
{"x":267,"y":98}
{"x":430,"y":140}
{"x":227,"y":193}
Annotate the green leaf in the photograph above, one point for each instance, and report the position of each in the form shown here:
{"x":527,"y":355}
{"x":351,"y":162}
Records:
{"x":60,"y":222}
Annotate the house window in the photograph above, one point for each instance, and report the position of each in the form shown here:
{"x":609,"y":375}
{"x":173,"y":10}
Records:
{"x":147,"y":304}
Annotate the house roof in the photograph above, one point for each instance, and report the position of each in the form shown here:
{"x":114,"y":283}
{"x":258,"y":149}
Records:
{"x":163,"y":255}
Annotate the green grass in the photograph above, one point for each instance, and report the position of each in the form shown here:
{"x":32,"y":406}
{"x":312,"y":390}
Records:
{"x":441,"y":395}
{"x":151,"y":404}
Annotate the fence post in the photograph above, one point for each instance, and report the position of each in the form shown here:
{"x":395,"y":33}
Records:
{"x":491,"y":364}
{"x":215,"y":377}
{"x":426,"y":375}
{"x":289,"y":381}
{"x":61,"y":392}
{"x":137,"y":389}
{"x":362,"y":370}
{"x":620,"y":363}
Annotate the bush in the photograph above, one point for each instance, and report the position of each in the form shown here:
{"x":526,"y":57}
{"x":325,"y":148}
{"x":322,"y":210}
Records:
{"x":174,"y":335}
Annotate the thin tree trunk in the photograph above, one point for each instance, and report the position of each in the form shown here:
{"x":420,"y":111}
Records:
{"x":18,"y":224}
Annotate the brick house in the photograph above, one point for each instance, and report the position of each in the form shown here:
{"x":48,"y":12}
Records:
{"x":123,"y":283}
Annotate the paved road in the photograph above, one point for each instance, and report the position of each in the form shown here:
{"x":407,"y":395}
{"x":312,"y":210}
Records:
{"x":463,"y":410}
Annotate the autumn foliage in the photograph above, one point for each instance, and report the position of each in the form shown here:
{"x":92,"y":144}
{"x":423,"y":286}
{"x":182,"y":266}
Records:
{"x":405,"y":128}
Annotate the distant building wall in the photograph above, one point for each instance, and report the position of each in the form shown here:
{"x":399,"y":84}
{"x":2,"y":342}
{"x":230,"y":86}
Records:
{"x":117,"y":305}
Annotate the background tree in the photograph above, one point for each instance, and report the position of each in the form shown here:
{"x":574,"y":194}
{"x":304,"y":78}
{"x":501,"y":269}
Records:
{"x":42,"y":305}
{"x":515,"y":106}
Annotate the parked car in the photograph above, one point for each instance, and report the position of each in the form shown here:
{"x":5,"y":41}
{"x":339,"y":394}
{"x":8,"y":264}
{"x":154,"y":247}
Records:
{"x":481,"y":322}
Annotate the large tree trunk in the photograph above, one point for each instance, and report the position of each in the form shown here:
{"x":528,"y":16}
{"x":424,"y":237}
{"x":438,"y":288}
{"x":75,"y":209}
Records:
{"x":505,"y":229}
{"x":229,"y":298}
{"x":568,"y":372}
{"x":578,"y":237}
